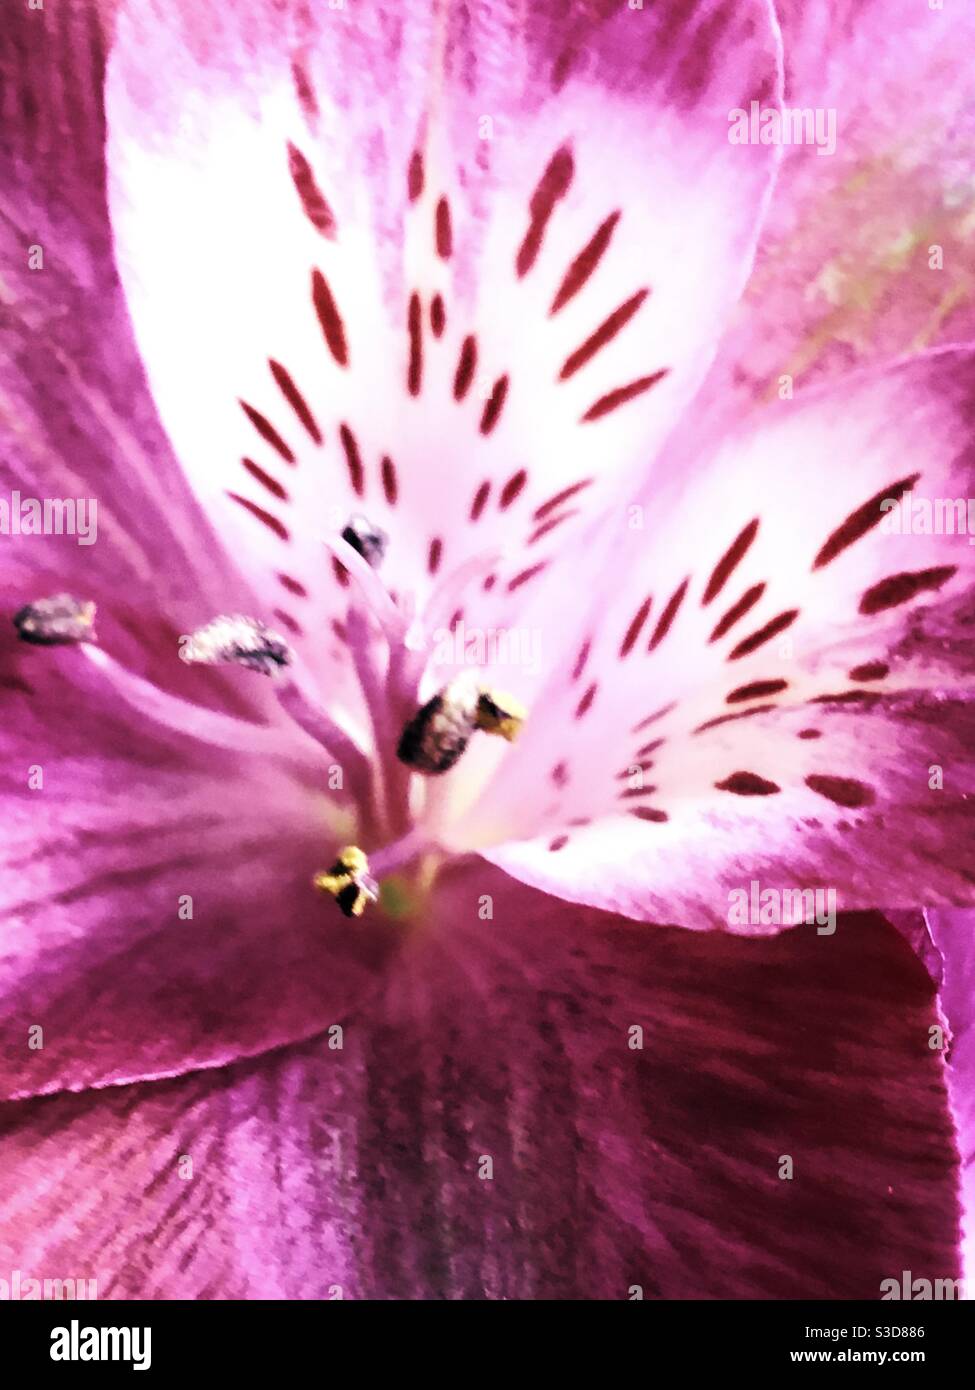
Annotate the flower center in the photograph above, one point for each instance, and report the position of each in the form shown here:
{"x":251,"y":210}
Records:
{"x":390,"y":649}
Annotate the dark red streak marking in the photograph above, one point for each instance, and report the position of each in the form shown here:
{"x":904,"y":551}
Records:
{"x":585,"y":263}
{"x":295,"y":399}
{"x":265,"y":479}
{"x":614,"y":399}
{"x":329,"y":318}
{"x":729,"y":562}
{"x":313,"y":201}
{"x":604,"y":334}
{"x":763,"y":634}
{"x":667,"y":616}
{"x":553,"y":185}
{"x":267,"y":432}
{"x":271,"y":522}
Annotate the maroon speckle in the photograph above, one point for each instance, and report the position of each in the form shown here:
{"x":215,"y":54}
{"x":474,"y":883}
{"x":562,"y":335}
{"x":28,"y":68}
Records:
{"x":558,"y":843}
{"x":899,"y":588}
{"x":809,"y":733}
{"x":444,"y":234}
{"x":295,"y":399}
{"x":353,"y":460}
{"x":585,"y":704}
{"x":635,"y":627}
{"x":581,"y":659}
{"x":290,"y":623}
{"x":548,"y":526}
{"x":267,"y":432}
{"x":585,"y":263}
{"x":604,"y":334}
{"x":313,"y":200}
{"x":414,"y":176}
{"x":559,"y":774}
{"x":552,"y":186}
{"x":733,"y":718}
{"x":265,"y":479}
{"x":847,"y":697}
{"x":861,"y":521}
{"x":293,"y":586}
{"x":438,"y":316}
{"x":271,"y":522}
{"x":632,"y":792}
{"x":737,"y":610}
{"x":755,"y":690}
{"x":489,"y":583}
{"x":525,"y":575}
{"x":650,"y":747}
{"x":390,"y":485}
{"x":340,"y":572}
{"x":329,"y":318}
{"x":667,"y":616}
{"x":652,"y":718}
{"x":843,"y":791}
{"x":493,"y":405}
{"x":414,"y":371}
{"x":466,"y":364}
{"x":562,"y":67}
{"x":512,"y":489}
{"x":650,"y":813}
{"x":870,"y":671}
{"x":757,"y":639}
{"x":480,"y":500}
{"x":729,"y":562}
{"x":613,"y":399}
{"x":304,"y":89}
{"x":747,"y":784}
{"x":560,"y":497}
{"x":434,"y":554}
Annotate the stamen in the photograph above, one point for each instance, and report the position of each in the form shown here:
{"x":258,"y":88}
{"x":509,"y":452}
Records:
{"x":500,"y":714}
{"x":238,"y":641}
{"x":186,"y":718}
{"x":440,"y":731}
{"x":373,"y":590}
{"x":349,"y":881}
{"x":367,"y":539}
{"x":59,"y":621}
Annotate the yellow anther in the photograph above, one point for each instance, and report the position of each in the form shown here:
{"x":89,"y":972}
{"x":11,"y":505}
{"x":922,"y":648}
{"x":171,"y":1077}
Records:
{"x":349,"y":882}
{"x":502,"y":714}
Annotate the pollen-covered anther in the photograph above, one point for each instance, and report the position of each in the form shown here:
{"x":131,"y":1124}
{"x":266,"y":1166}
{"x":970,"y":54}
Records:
{"x":239,"y":641}
{"x":440,"y":731}
{"x":502,"y":714}
{"x":57,"y":621}
{"x":349,"y":881}
{"x":367,"y":539}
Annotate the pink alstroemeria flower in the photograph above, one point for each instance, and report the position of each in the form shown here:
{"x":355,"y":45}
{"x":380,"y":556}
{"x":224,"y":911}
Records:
{"x":466,"y":279}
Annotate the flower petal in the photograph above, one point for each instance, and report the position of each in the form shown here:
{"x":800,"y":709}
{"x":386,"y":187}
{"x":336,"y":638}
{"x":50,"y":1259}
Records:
{"x":385,"y":264}
{"x":954,"y":935}
{"x":360,"y":1171}
{"x":774,"y":685}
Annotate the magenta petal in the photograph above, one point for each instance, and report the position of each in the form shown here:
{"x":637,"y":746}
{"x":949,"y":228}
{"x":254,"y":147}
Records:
{"x":317,"y":1169}
{"x":954,"y":935}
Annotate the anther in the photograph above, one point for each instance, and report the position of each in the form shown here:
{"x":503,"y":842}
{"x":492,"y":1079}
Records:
{"x":498,"y":713}
{"x":440,"y":731}
{"x":349,"y":881}
{"x":367,"y":539}
{"x":57,"y":621}
{"x":237,"y":641}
